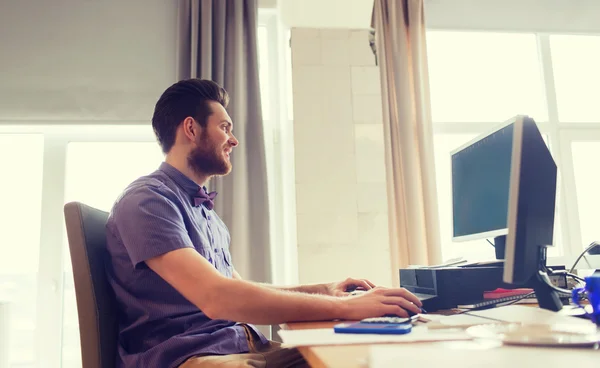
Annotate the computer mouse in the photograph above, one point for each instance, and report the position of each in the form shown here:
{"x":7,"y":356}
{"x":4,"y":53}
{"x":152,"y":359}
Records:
{"x":410,"y":313}
{"x":351,"y":288}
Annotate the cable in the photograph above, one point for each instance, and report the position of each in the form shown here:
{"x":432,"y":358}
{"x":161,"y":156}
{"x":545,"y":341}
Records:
{"x":589,"y":247}
{"x":578,"y":278}
{"x":488,"y":240}
{"x":544,"y":275}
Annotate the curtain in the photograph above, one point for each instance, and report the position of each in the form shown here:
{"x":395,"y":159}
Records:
{"x":217,"y":41}
{"x":410,"y":168}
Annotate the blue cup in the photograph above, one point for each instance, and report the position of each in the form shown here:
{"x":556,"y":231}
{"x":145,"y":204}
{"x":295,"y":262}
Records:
{"x":592,"y":290}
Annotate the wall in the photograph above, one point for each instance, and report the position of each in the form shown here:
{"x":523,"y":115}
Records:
{"x":326,"y":13}
{"x":515,"y":15}
{"x":65,"y":60}
{"x":341,"y":201}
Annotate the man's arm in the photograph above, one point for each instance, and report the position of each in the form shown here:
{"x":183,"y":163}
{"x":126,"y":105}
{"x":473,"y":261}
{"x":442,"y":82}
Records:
{"x":334,"y":288}
{"x":307,"y":289}
{"x":233,"y":299}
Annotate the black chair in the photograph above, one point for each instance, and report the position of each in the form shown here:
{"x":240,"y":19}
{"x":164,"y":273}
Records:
{"x":96,"y":303}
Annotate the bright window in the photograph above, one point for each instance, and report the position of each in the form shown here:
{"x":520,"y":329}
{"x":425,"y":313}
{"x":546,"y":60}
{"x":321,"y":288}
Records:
{"x":480,"y":79}
{"x":264,"y":71}
{"x":576,"y":61}
{"x":97,"y":172}
{"x":484,"y":76}
{"x":21,"y":158}
{"x":587,"y":179}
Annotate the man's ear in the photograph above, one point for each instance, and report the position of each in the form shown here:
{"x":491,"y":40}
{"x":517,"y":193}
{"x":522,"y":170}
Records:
{"x":191,"y":129}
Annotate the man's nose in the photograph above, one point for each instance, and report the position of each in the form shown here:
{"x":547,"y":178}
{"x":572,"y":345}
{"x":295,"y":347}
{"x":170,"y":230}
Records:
{"x":233,"y":140}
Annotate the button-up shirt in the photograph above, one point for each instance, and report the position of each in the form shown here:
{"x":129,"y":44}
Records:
{"x":158,"y":327}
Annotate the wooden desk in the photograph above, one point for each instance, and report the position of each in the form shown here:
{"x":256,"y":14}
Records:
{"x":356,"y":356}
{"x":345,"y":356}
{"x":348,"y":356}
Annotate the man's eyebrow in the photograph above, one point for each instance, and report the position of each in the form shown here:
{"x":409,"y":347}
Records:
{"x":229,"y":123}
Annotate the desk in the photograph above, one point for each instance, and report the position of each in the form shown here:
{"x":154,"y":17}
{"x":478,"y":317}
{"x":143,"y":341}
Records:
{"x":356,"y":356}
{"x":348,"y":356}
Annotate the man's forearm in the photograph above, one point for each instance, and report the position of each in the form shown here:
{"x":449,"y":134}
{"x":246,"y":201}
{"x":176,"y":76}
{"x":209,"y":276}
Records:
{"x":244,"y":301}
{"x":308,"y":289}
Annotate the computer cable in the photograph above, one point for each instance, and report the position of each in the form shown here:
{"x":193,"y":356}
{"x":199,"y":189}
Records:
{"x":589,"y":247}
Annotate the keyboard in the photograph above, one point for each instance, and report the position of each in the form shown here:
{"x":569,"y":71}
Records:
{"x":390,"y":319}
{"x":494,"y":302}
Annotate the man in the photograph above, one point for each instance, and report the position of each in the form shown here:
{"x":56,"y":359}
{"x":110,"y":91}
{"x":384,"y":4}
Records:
{"x":181,"y":302}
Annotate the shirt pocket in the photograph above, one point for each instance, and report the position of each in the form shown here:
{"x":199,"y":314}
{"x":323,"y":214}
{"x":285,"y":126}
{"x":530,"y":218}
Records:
{"x":227,"y":261}
{"x":226,"y":256}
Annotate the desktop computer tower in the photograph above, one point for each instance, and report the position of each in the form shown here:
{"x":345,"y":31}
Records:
{"x":446,"y":288}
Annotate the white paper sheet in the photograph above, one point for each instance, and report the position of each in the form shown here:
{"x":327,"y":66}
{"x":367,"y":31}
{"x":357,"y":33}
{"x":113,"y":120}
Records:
{"x":455,"y":321}
{"x":473,"y":354}
{"x":524,"y":314}
{"x":326,"y":336}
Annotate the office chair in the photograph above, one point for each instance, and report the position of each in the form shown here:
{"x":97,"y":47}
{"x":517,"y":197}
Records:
{"x":96,"y":303}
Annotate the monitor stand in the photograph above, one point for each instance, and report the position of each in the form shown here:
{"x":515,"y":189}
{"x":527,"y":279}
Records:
{"x":546,"y":295}
{"x":500,"y":246}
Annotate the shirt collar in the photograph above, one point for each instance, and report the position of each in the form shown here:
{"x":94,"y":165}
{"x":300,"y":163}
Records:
{"x":187,"y":184}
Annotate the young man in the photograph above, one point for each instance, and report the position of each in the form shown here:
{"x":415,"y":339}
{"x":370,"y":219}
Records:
{"x":181,"y":302}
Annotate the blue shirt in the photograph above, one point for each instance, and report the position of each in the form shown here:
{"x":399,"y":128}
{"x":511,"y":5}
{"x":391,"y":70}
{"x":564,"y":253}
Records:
{"x":158,"y":327}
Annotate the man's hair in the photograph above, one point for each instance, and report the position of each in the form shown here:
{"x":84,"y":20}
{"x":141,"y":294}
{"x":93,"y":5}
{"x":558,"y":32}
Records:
{"x":186,"y":98}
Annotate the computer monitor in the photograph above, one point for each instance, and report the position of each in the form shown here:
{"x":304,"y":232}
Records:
{"x":481,"y":172}
{"x":504,"y":186}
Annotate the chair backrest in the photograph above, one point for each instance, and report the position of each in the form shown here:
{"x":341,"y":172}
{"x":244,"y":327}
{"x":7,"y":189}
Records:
{"x":96,"y":303}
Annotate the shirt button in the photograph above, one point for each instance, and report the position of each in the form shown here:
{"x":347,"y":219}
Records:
{"x":208,"y":217}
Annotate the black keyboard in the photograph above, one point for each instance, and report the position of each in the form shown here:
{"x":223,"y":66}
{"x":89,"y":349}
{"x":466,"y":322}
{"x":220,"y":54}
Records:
{"x":489,"y":303}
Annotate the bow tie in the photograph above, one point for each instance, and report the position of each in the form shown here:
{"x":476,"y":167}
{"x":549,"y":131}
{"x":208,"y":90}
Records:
{"x":205,"y":198}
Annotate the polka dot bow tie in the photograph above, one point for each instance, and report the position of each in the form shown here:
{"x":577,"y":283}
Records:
{"x":205,"y":198}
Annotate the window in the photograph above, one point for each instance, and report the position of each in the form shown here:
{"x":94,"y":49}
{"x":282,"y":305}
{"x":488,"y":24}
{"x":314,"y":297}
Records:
{"x":587,"y":177}
{"x":480,"y":79}
{"x":56,"y":164}
{"x":484,"y":77}
{"x":264,"y":70}
{"x":575,"y":61}
{"x":96,"y":173}
{"x":20,"y":195}
{"x":275,"y":78}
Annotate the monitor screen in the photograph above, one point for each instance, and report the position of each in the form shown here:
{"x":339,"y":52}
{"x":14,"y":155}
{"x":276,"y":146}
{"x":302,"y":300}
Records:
{"x":480,"y":185}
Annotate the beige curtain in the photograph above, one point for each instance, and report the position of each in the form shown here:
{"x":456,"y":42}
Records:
{"x":217,"y":40}
{"x":402,"y":58}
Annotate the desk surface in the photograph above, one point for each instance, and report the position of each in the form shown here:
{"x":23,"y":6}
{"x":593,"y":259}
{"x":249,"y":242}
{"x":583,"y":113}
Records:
{"x":352,"y":356}
{"x":355,"y":356}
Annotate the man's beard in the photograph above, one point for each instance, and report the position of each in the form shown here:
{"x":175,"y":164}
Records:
{"x":208,"y":159}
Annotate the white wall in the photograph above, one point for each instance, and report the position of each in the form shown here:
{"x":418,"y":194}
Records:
{"x":85,"y":60}
{"x":326,"y":13}
{"x":341,"y":200}
{"x":517,"y":15}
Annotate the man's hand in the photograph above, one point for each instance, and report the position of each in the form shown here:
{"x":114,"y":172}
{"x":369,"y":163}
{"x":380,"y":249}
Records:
{"x":343,"y":288}
{"x":381,"y":301}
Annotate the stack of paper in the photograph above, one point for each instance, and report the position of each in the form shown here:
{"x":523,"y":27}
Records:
{"x":326,"y":336}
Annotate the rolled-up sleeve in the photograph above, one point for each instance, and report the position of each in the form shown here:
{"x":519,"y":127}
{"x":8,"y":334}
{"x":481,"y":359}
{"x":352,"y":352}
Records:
{"x":150,"y":223}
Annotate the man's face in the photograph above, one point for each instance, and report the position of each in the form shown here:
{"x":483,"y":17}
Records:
{"x":210,"y":156}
